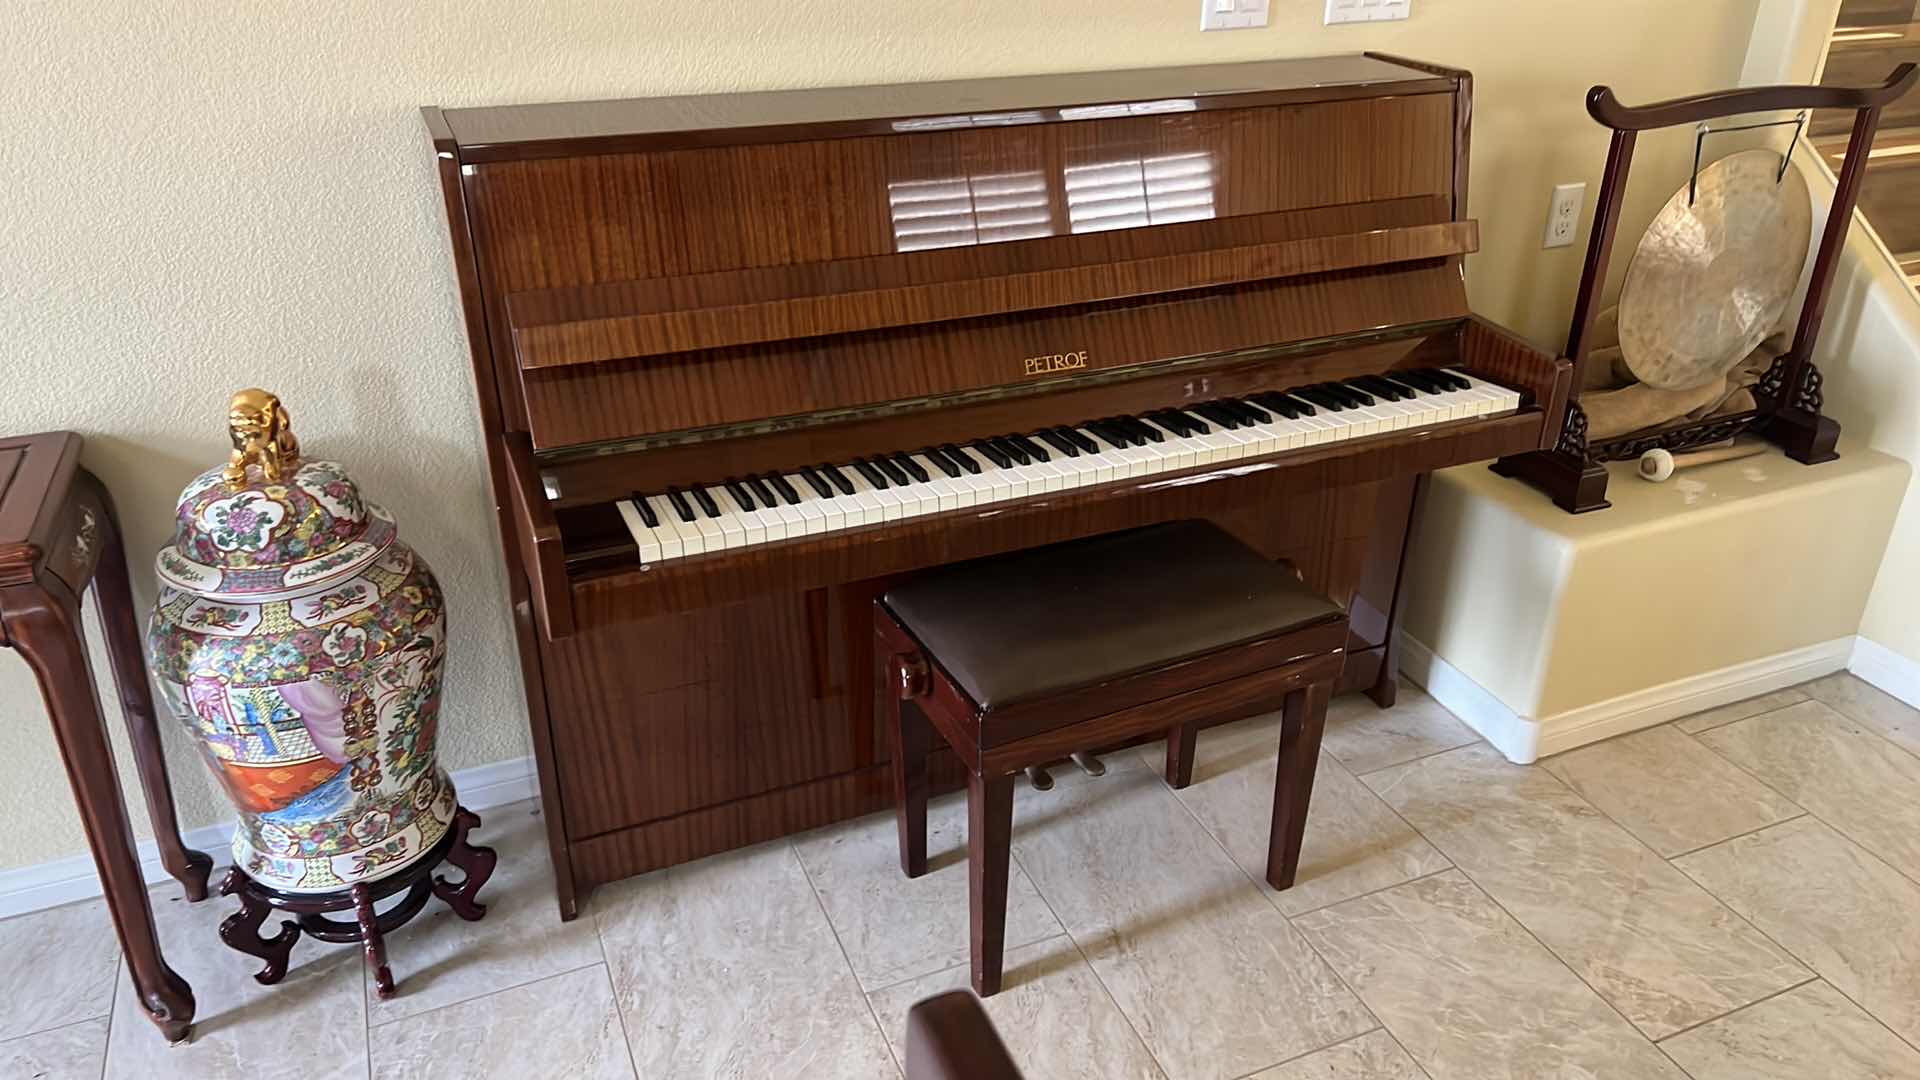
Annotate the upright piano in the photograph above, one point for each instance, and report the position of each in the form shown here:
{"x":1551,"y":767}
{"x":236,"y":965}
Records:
{"x":744,"y":359}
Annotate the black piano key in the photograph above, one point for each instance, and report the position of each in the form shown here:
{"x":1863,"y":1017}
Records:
{"x":1145,"y":431}
{"x":1239,"y":412}
{"x":894,"y":472}
{"x":680,"y":505}
{"x":785,"y":490}
{"x":1195,"y":425}
{"x":646,"y":513}
{"x":1218,"y":415}
{"x":1034,"y":450}
{"x":1290,"y":407}
{"x":1353,"y":396}
{"x":1383,"y":387}
{"x":961,"y":458}
{"x":993,"y":453}
{"x":740,"y":495}
{"x":942,"y":462}
{"x":911,"y":468}
{"x":1086,"y":445}
{"x":1452,"y":378}
{"x":1255,"y":412}
{"x":1059,"y":442}
{"x":816,"y":482}
{"x":711,"y":508}
{"x":1013,"y":451}
{"x":762,"y":491}
{"x":873,"y":475}
{"x":1120,"y":435}
{"x":1107,"y":435}
{"x":840,"y":480}
{"x":1318,"y":396}
{"x":1419,"y":381}
{"x":1172,"y":421}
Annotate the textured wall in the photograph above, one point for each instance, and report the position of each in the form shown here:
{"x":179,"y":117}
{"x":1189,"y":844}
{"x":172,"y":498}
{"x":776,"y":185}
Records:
{"x":195,"y":198}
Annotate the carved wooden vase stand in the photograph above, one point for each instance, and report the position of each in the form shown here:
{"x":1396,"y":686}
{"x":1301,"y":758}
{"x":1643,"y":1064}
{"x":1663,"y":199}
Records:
{"x":258,"y":902}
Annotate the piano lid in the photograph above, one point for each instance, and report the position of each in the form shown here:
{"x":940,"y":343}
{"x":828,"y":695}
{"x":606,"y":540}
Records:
{"x":514,"y":132}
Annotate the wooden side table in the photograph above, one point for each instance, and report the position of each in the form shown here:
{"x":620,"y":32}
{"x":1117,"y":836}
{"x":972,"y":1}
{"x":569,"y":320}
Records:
{"x":58,"y":532}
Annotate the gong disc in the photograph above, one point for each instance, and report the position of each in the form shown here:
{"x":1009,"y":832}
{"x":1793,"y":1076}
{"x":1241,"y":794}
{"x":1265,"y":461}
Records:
{"x":1713,"y":277}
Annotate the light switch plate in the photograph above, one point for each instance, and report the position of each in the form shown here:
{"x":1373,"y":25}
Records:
{"x":1353,"y":11}
{"x":1232,"y":14}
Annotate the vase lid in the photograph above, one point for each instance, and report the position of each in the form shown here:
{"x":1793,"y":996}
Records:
{"x":268,"y":524}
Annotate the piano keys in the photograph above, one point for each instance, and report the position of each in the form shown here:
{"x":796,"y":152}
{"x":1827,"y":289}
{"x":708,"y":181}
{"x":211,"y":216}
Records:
{"x":743,"y":360}
{"x":833,"y":497}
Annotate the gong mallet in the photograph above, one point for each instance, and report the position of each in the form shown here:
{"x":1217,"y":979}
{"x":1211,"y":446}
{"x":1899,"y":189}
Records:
{"x":1658,"y":465}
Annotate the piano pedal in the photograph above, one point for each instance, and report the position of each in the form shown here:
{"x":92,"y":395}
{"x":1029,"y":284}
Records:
{"x":1089,"y":764}
{"x":1039,"y":778}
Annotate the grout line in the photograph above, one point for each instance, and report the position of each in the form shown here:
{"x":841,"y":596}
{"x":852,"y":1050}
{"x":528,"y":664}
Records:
{"x":1332,"y":1045}
{"x":410,"y":1017}
{"x":1757,"y":1001}
{"x":1736,"y":836}
{"x":1477,"y":741}
{"x":793,"y":852}
{"x":1145,"y":1047}
{"x":588,"y":911}
{"x":113,"y":1005}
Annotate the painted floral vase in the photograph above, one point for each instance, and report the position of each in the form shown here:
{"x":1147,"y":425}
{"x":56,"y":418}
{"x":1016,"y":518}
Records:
{"x":302,"y":644}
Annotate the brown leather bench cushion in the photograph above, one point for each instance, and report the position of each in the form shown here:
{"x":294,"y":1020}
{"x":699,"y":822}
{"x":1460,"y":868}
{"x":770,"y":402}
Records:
{"x":1014,"y":627}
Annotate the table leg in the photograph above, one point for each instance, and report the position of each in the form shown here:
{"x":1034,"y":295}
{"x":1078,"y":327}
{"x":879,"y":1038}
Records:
{"x":44,"y":623}
{"x":113,"y":600}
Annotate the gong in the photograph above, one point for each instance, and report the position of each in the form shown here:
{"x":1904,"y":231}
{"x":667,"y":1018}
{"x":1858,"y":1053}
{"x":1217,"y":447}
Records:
{"x":1715,"y":271}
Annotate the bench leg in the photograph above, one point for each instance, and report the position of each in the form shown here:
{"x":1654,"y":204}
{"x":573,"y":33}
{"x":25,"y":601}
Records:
{"x":911,"y":737}
{"x":989,"y":843}
{"x":1303,"y":720}
{"x":1180,"y":744}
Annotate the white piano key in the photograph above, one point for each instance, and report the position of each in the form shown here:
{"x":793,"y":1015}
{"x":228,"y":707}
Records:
{"x":688,"y":537}
{"x":643,"y":534}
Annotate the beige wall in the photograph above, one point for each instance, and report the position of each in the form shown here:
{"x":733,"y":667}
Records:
{"x":196,"y":202}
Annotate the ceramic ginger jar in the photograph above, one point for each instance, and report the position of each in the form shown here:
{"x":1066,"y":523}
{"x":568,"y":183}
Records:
{"x":301,"y":643}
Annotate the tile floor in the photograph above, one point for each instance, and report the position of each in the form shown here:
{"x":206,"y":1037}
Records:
{"x":1733,"y":895}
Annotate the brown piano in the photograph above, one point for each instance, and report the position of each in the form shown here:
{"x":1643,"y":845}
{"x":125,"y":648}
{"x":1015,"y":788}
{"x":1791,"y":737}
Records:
{"x":744,"y":359}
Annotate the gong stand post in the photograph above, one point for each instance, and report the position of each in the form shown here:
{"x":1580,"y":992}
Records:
{"x":1788,"y":397}
{"x":363,"y":923}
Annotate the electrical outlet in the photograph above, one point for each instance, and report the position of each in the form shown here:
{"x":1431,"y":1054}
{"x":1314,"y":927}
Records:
{"x":1232,"y":14}
{"x":1563,"y":214}
{"x":1353,"y":11}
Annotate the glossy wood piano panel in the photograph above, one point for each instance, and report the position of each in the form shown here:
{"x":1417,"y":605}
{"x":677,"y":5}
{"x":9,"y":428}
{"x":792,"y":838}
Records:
{"x":685,"y":291}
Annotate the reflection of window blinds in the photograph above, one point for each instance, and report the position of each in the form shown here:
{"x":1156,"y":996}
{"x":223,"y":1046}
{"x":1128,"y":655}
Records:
{"x":969,"y":210}
{"x":1150,"y":191}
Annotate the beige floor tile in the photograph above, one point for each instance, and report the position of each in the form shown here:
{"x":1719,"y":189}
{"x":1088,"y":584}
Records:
{"x":75,"y":1052}
{"x":73,"y":954}
{"x":243,"y":1029}
{"x":1354,"y":843}
{"x":727,"y":967}
{"x":1860,"y":700}
{"x":1842,"y":771}
{"x":1056,"y":1019}
{"x":562,"y":1026}
{"x":1208,"y":972}
{"x":1740,"y":710}
{"x":1366,"y":737}
{"x":1469,"y":993}
{"x":1668,"y":790}
{"x":893,"y":928}
{"x":1813,"y":1031}
{"x":1373,"y":1056}
{"x":1655,"y":945}
{"x":1843,"y":912}
{"x":439,"y":958}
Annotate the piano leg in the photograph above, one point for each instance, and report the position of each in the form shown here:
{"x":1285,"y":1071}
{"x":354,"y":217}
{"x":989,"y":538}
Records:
{"x":1378,"y":599}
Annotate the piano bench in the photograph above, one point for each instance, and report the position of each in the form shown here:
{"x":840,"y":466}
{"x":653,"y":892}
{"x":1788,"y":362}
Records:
{"x":1021,"y":659}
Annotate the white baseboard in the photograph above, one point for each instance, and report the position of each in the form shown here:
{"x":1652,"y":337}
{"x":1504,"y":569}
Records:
{"x":1886,"y":669}
{"x":1525,"y":739}
{"x":62,"y":881}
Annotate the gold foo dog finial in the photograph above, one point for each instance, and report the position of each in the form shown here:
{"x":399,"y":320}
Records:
{"x":262,"y":435}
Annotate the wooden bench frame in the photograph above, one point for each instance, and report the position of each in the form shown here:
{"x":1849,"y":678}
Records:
{"x":1294,"y":671}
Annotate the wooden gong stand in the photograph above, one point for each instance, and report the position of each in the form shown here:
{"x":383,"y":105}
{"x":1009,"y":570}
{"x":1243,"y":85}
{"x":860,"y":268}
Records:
{"x":258,"y":902}
{"x":1788,"y":397}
